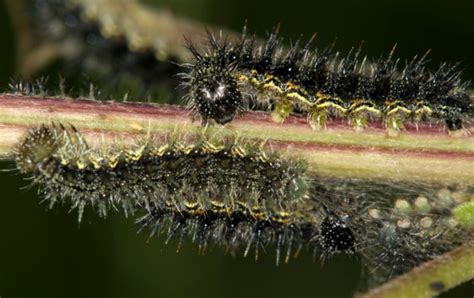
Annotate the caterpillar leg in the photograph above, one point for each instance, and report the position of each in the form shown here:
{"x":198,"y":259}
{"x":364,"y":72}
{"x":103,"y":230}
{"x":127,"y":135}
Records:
{"x":281,"y":111}
{"x":317,"y":119}
{"x":360,"y":123}
{"x":394,"y":125}
{"x":360,"y":111}
{"x":397,"y":113}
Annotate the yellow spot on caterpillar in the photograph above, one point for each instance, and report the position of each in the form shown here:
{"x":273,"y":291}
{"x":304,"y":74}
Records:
{"x":364,"y":108}
{"x":282,"y":217}
{"x":299,"y":97}
{"x":159,"y":151}
{"x":269,"y":77}
{"x":218,"y":205}
{"x":399,"y":109}
{"x":262,"y":157}
{"x":396,"y":107}
{"x":239,"y":151}
{"x":81,"y":164}
{"x":135,"y":154}
{"x":96,"y":161}
{"x":424,"y":110}
{"x":211,"y":148}
{"x":329,"y":104}
{"x":271,"y":87}
{"x":180,"y":147}
{"x":112,"y":160}
{"x":255,"y":82}
{"x":191,"y":205}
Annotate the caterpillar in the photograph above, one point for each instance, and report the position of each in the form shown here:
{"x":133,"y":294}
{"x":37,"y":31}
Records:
{"x":233,"y":75}
{"x":226,"y":190}
{"x":391,"y":233}
{"x":69,"y":170}
{"x":249,"y":226}
{"x":238,"y":195}
{"x":235,"y":185}
{"x":392,"y":229}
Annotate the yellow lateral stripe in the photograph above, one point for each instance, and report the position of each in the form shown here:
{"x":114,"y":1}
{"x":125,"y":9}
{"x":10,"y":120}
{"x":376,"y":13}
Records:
{"x":295,"y":92}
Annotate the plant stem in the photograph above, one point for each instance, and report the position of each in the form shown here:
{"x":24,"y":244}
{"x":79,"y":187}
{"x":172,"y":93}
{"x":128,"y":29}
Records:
{"x":431,"y":278}
{"x":428,"y":154}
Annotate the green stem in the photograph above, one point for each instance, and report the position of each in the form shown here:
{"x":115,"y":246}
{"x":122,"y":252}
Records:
{"x":431,"y":278}
{"x":428,"y":154}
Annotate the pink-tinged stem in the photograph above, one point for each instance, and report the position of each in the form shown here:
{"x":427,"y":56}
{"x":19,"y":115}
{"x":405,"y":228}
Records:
{"x":425,"y":154}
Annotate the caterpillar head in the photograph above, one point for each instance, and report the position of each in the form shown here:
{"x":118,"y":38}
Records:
{"x":215,"y":95}
{"x":38,"y":145}
{"x":213,"y":89}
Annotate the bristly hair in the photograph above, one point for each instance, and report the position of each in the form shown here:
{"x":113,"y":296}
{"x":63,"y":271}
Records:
{"x":175,"y":170}
{"x":242,"y":196}
{"x":321,"y":84}
{"x":392,"y":228}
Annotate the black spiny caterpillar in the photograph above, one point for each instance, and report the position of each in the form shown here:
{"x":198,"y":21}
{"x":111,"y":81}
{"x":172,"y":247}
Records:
{"x":246,"y":226}
{"x":321,"y":84}
{"x":392,"y":228}
{"x":220,"y":192}
{"x":176,"y":171}
{"x":202,"y":189}
{"x":242,"y":197}
{"x":231,"y":76}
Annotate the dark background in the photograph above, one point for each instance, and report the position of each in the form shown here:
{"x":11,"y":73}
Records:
{"x":46,"y":253}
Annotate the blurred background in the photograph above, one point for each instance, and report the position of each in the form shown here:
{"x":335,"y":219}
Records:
{"x":45,"y":253}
